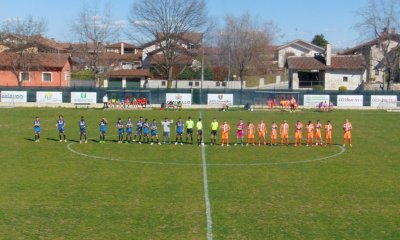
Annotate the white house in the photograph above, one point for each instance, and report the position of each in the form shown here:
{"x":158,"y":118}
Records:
{"x":190,"y":40}
{"x":329,"y":71}
{"x":373,"y":52}
{"x":192,"y":84}
{"x":297,"y":47}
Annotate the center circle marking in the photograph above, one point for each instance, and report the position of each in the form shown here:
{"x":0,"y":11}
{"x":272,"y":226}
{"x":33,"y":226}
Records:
{"x":325,"y":158}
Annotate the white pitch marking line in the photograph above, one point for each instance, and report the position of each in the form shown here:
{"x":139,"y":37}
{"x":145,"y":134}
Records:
{"x":206,"y":195}
{"x":123,"y":160}
{"x":342,"y":150}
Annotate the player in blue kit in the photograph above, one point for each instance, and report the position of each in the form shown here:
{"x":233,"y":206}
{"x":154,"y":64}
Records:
{"x":82,"y":130}
{"x":179,"y":130}
{"x":120,"y":127}
{"x":61,"y":128}
{"x":146,"y":131}
{"x":36,"y":128}
{"x":154,"y":132}
{"x":129,"y":126}
{"x":139,"y":129}
{"x":103,"y":130}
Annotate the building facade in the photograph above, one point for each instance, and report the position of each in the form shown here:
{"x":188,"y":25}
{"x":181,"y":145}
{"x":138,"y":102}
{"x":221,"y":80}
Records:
{"x":329,"y":72}
{"x":44,"y":70}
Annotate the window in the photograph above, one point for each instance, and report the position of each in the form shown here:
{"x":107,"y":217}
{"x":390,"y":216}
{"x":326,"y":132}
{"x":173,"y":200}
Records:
{"x":46,"y":77}
{"x":345,"y":79}
{"x":163,"y":83}
{"x":217,"y":84}
{"x":127,"y":65}
{"x":190,"y":84}
{"x":197,"y":84}
{"x":376,"y":72}
{"x":24,"y":76}
{"x":224,"y":84}
{"x":191,"y":46}
{"x":67,"y":76}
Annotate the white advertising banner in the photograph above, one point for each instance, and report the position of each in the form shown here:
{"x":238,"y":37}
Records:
{"x":350,"y":100}
{"x":220,"y":99}
{"x":83,"y":97}
{"x":314,"y":100}
{"x":184,"y":98}
{"x":387,"y":100}
{"x":49,"y":97}
{"x":14,"y":96}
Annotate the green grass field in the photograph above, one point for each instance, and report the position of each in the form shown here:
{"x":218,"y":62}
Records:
{"x":53,"y":190}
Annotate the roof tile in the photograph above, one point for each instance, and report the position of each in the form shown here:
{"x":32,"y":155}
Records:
{"x":319,"y":63}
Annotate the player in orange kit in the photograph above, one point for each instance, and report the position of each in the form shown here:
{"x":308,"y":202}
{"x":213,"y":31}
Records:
{"x":225,"y":127}
{"x":284,"y":130}
{"x":347,"y":133}
{"x":262,"y":130}
{"x":298,"y":136}
{"x":250,"y":133}
{"x":318,"y":135}
{"x":274,"y":133}
{"x":328,"y":133}
{"x":310,"y":134}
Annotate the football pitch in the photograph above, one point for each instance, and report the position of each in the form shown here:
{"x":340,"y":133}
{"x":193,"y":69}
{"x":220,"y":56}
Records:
{"x":67,"y":190}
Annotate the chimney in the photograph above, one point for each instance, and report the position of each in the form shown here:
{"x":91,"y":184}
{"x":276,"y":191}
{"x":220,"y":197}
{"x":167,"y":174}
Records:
{"x":384,"y":33}
{"x":122,"y":48}
{"x":328,"y":54}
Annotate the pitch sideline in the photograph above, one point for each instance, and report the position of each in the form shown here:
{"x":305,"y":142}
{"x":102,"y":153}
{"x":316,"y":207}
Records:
{"x":206,"y":194}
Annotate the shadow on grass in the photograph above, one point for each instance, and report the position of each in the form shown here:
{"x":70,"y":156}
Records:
{"x":29,"y":139}
{"x":53,"y":139}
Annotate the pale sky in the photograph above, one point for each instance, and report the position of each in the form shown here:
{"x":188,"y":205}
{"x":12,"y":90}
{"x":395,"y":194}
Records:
{"x":295,"y":18}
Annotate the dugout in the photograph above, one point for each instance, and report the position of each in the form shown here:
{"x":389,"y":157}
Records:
{"x":308,"y":79}
{"x":126,"y":78}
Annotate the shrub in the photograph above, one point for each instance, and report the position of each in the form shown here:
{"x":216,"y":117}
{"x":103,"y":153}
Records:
{"x":82,"y":75}
{"x":342,"y":88}
{"x":318,"y":87}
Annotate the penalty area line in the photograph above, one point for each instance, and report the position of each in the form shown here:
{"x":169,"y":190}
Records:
{"x":206,"y":194}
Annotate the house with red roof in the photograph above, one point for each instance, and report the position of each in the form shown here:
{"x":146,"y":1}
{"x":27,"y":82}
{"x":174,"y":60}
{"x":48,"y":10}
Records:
{"x":374,"y":52}
{"x":186,"y":48}
{"x":298,"y":48}
{"x":37,"y":70}
{"x":329,"y":71}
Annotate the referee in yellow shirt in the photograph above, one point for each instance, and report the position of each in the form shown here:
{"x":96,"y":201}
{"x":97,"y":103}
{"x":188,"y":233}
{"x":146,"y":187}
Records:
{"x":189,"y":124}
{"x":199,"y":127}
{"x":214,"y":130}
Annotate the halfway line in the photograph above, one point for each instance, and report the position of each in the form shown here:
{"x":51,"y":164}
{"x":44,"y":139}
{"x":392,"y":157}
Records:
{"x":206,"y":197}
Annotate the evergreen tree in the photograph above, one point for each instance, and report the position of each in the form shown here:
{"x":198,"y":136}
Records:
{"x":320,"y":40}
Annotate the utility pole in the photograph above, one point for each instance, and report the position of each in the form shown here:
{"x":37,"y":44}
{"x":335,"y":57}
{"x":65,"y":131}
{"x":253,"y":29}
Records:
{"x":229,"y":65}
{"x":202,"y":72}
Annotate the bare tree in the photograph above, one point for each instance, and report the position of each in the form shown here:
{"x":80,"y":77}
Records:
{"x":94,"y":28}
{"x":245,"y":43}
{"x":167,"y":21}
{"x":380,"y":20}
{"x":20,"y":38}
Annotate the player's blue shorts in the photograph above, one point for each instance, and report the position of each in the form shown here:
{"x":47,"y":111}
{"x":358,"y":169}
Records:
{"x":120,"y":131}
{"x":139,"y":131}
{"x":61,"y":130}
{"x":129,"y":130}
{"x":154,"y":132}
{"x":82,"y":130}
{"x":103,"y":130}
{"x":179,"y":132}
{"x":145,"y":131}
{"x":37,"y":129}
